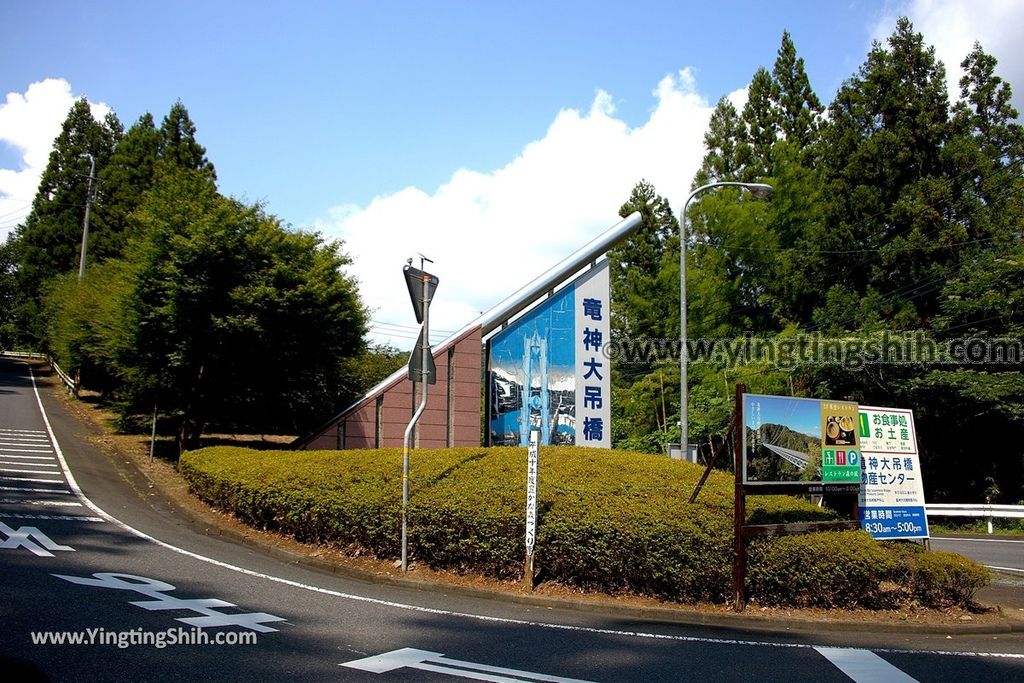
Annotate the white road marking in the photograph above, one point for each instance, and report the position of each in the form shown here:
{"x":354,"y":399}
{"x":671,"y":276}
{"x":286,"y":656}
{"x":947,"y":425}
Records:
{"x":3,"y":461}
{"x":435,"y":662}
{"x":17,"y":471}
{"x":22,"y":431}
{"x":73,"y":484}
{"x":32,"y":539}
{"x":31,"y":490}
{"x":157,"y":591}
{"x":47,"y":458}
{"x":34,"y":481}
{"x":71,"y":518}
{"x":977,"y":540}
{"x":1015,"y":570}
{"x":864,"y":666}
{"x":25,"y":450}
{"x":55,"y":503}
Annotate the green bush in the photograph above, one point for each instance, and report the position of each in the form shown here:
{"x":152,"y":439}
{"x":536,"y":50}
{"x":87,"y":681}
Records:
{"x":607,"y":520}
{"x":829,"y":569}
{"x":942,"y":579}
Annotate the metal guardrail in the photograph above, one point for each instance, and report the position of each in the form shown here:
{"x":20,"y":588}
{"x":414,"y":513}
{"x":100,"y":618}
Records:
{"x":979,"y":510}
{"x":65,"y":378}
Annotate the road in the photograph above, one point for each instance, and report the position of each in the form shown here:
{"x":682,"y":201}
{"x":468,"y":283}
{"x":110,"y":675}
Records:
{"x":86,"y":556}
{"x":1006,"y":554}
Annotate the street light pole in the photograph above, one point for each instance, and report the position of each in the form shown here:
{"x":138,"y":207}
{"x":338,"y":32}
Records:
{"x":758,"y":190}
{"x":85,"y":223}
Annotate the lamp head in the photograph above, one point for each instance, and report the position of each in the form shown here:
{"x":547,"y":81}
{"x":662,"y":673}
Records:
{"x":760,"y":190}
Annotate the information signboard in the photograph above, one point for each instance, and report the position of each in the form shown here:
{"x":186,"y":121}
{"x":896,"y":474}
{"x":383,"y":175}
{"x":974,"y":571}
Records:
{"x":892,"y":491}
{"x":548,"y":371}
{"x":788,"y":439}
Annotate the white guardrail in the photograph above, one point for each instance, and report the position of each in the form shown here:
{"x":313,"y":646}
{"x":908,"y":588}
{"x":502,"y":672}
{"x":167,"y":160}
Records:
{"x":980,"y":510}
{"x":69,"y":382}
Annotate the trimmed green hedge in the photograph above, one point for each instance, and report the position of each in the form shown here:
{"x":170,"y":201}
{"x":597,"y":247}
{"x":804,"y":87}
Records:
{"x":607,"y":520}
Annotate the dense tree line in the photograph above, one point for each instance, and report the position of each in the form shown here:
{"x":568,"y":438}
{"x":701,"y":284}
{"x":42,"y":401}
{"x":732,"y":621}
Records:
{"x":894,"y":211}
{"x":196,"y":305}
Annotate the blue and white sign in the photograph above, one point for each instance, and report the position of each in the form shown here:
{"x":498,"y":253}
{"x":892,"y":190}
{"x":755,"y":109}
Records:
{"x":892,"y":491}
{"x":548,"y":371}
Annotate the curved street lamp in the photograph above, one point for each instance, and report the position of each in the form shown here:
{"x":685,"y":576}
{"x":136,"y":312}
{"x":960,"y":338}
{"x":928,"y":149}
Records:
{"x":761,"y":190}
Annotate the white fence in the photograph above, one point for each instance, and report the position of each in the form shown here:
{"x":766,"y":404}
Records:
{"x":979,"y":510}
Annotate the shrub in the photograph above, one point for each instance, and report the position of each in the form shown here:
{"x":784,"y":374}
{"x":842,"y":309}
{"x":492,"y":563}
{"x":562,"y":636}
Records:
{"x":942,"y":579}
{"x":828,"y":569}
{"x":607,"y":520}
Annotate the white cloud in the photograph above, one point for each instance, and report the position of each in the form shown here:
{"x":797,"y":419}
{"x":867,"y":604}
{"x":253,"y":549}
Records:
{"x":490,"y":233}
{"x":29,"y":123}
{"x":953,"y":26}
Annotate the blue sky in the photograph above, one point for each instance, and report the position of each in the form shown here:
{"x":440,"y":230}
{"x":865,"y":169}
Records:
{"x":380,"y":123}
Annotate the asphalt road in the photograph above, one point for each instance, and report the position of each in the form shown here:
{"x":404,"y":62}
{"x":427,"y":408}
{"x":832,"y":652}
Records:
{"x":1006,"y":554}
{"x":85,"y":555}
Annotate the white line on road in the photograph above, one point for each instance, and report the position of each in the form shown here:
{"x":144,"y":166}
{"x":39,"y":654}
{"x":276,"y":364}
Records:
{"x":9,"y":469}
{"x":48,"y":458}
{"x":1015,"y":570}
{"x":22,"y":431}
{"x":435,"y":662}
{"x":64,"y":492}
{"x":864,"y":666}
{"x":976,"y":540}
{"x":32,"y":480}
{"x":25,"y":450}
{"x":73,"y":484}
{"x":14,"y":463}
{"x":55,"y":503}
{"x":72,"y":518}
{"x":18,"y":440}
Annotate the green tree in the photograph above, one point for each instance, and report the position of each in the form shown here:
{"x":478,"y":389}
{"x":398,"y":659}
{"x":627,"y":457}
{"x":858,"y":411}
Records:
{"x":51,"y":236}
{"x":9,"y":259}
{"x":889,"y":192}
{"x":642,"y":301}
{"x":178,"y":144}
{"x":234,"y":320}
{"x":726,"y":144}
{"x":798,"y":108}
{"x":124,"y":179}
{"x":761,"y":122}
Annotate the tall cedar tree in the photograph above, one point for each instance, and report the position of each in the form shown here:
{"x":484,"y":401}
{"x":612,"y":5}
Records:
{"x":51,"y":236}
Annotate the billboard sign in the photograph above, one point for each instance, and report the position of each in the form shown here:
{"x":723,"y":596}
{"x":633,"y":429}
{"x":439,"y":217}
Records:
{"x":547,"y":370}
{"x":892,"y":491}
{"x":788,"y":439}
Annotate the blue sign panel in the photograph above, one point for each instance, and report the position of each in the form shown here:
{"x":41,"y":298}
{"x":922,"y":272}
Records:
{"x":547,"y":370}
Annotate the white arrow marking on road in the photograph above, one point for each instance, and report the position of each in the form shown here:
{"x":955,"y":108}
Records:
{"x":864,"y":666}
{"x":424,"y":660}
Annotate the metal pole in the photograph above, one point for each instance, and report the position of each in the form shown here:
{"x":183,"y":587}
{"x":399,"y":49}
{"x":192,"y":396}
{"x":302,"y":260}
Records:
{"x":85,"y":223}
{"x":759,"y":189}
{"x":152,"y":437}
{"x":424,"y":361}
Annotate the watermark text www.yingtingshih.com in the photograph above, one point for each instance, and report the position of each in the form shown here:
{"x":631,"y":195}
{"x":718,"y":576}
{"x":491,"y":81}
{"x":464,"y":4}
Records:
{"x":792,"y":351}
{"x":138,"y":637}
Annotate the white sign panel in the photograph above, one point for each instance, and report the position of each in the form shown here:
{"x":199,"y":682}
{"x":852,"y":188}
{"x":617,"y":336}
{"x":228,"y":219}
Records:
{"x":892,"y":491}
{"x":593,"y":369}
{"x":531,"y":492}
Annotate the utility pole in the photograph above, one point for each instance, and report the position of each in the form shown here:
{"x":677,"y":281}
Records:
{"x":85,"y":223}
